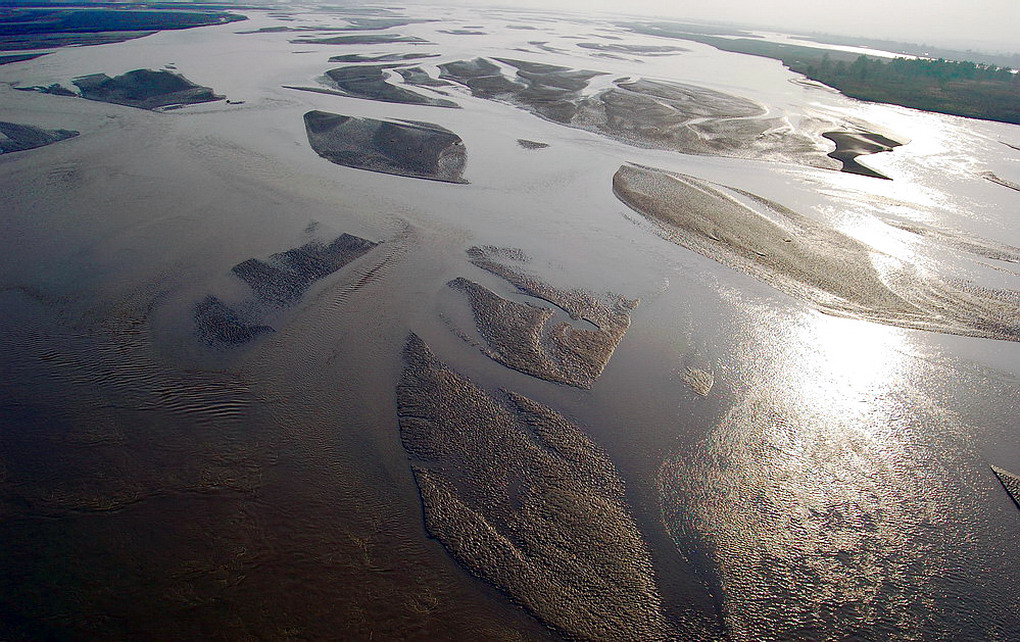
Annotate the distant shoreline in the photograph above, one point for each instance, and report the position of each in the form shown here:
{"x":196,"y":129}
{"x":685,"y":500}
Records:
{"x":958,"y":88}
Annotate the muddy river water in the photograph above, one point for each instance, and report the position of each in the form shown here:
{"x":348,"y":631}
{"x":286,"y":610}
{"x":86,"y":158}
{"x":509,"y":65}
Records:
{"x":787,"y":435}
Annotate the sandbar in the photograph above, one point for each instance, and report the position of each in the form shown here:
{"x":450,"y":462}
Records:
{"x":285,"y":277}
{"x":524,"y":336}
{"x":369,"y":82}
{"x":809,"y":260}
{"x":1010,"y":482}
{"x":16,"y":138}
{"x":405,"y":148}
{"x":521,"y":498}
{"x":850,"y":145}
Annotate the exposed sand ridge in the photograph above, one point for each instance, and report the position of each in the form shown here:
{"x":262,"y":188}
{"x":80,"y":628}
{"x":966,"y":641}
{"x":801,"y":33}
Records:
{"x":811,"y":261}
{"x":406,"y":148}
{"x":521,"y":498}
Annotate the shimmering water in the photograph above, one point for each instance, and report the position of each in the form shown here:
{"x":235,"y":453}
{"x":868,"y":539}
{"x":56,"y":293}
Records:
{"x":834,"y":483}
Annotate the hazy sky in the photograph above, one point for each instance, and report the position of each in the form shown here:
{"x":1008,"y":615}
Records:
{"x":989,"y":25}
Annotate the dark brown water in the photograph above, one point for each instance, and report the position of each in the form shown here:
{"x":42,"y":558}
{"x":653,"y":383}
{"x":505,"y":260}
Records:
{"x":833,"y":483}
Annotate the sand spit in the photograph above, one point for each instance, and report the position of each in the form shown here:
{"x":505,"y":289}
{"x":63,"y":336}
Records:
{"x":405,"y":148}
{"x":960,"y":241}
{"x":645,"y":113}
{"x":368,"y":39}
{"x":521,"y":498}
{"x":12,"y":58}
{"x":216,"y":322}
{"x":531,"y":144}
{"x":141,"y":88}
{"x":370,"y":82}
{"x":393,"y":57}
{"x":811,"y":261}
{"x":16,"y":138}
{"x":637,"y":50}
{"x":850,"y":145}
{"x":285,"y":277}
{"x":1001,"y":181}
{"x":1010,"y":482}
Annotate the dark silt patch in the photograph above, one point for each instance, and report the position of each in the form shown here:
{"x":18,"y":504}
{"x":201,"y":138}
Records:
{"x":850,"y":145}
{"x":521,"y":498}
{"x":141,"y":88}
{"x":405,"y":148}
{"x":551,"y":91}
{"x":810,"y":260}
{"x":285,"y":277}
{"x":16,"y":138}
{"x":394,"y":57}
{"x":481,"y":76}
{"x":531,"y":144}
{"x":145,"y":89}
{"x":366,"y":39}
{"x":369,"y":82}
{"x":525,"y":337}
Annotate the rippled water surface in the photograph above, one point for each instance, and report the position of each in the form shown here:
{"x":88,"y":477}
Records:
{"x":830,"y":481}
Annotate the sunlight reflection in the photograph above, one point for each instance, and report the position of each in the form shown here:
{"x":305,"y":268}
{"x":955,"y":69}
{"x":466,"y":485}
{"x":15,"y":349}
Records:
{"x":879,"y":235}
{"x":806,"y":486}
{"x":845,"y":360}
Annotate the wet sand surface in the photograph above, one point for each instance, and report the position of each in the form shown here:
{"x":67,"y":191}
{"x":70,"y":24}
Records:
{"x":722,"y":461}
{"x":521,"y":498}
{"x":522,"y":336}
{"x":643,"y":112}
{"x":804,"y":259}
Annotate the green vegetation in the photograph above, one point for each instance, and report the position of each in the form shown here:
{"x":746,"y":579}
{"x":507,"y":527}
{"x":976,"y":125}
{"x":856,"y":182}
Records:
{"x":961,"y":88}
{"x":968,"y":89}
